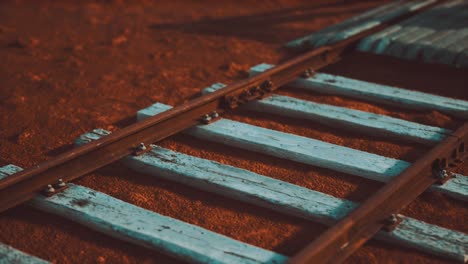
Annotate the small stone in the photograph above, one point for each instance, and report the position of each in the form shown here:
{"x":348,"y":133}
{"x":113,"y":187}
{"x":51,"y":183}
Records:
{"x":24,"y":137}
{"x":35,"y":77}
{"x":101,"y":259}
{"x":33,"y":42}
{"x":119,"y":40}
{"x":235,"y":70}
{"x":78,"y":48}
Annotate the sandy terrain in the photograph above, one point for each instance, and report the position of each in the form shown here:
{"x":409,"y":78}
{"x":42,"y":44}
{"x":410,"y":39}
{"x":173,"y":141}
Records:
{"x":68,"y":67}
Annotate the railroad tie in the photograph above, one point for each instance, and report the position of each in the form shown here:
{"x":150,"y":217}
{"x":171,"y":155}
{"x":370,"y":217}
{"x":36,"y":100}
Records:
{"x":308,"y":151}
{"x":337,"y":85}
{"x":286,"y":198}
{"x":344,"y":118}
{"x":9,"y":254}
{"x":133,"y":224}
{"x":436,"y":35}
{"x":358,"y":24}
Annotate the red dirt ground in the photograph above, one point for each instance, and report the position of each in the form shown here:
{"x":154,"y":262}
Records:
{"x":68,"y":67}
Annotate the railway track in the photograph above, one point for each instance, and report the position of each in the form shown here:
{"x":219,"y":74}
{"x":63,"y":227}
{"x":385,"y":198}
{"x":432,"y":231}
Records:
{"x":47,"y":186}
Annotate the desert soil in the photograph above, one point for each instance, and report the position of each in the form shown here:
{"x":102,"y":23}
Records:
{"x":69,"y":67}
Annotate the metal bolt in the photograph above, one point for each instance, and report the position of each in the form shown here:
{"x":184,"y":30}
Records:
{"x":246,"y":93}
{"x":443,"y":174}
{"x":142,"y":146}
{"x":61,"y":183}
{"x":49,"y":189}
{"x":254,"y":90}
{"x":206,"y":119}
{"x":214,"y":114}
{"x":307,"y":73}
{"x":267,"y":85}
{"x":393,"y":219}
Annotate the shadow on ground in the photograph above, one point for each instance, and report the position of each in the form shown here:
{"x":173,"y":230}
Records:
{"x":269,"y":24}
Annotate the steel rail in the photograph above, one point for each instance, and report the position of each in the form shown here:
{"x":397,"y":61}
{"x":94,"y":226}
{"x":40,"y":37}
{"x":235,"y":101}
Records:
{"x":75,"y":163}
{"x":351,"y":232}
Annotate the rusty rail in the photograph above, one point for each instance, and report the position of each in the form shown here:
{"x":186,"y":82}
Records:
{"x":378,"y":212}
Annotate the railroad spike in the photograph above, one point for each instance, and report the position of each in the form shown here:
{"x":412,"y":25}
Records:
{"x":206,"y":119}
{"x":141,"y":149}
{"x":49,"y":189}
{"x":391,"y":222}
{"x":393,"y":219}
{"x":142,"y":146}
{"x":307,"y":73}
{"x":442,"y":176}
{"x":61,"y":183}
{"x":214,"y":114}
